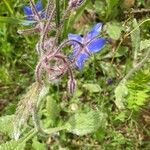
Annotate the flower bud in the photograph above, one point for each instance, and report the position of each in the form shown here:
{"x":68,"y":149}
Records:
{"x":75,"y":3}
{"x":71,"y":86}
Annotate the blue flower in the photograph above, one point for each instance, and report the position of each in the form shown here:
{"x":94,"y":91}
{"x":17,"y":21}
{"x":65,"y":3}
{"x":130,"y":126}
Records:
{"x":28,"y":11}
{"x":91,"y":44}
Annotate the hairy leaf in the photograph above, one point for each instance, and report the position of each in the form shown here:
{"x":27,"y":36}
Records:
{"x":6,"y":124}
{"x":121,"y":92}
{"x":114,"y":31}
{"x":93,"y":88}
{"x":144,"y":44}
{"x":13,"y":145}
{"x":84,"y":123}
{"x":18,"y":144}
{"x":51,"y":108}
{"x":135,"y":38}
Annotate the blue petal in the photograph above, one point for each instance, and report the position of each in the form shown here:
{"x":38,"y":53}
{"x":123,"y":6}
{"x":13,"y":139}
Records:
{"x":39,"y":5}
{"x":97,"y":27}
{"x":42,"y":14}
{"x":80,"y":60}
{"x":30,"y":18}
{"x":95,"y":31}
{"x":27,"y":10}
{"x":75,"y":37}
{"x":75,"y":52}
{"x":96,"y":45}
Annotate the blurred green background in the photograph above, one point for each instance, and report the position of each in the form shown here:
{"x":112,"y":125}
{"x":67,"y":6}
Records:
{"x":127,"y":128}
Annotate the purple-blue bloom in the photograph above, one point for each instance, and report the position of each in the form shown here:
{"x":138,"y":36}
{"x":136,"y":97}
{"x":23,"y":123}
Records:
{"x":91,"y":44}
{"x":28,"y":10}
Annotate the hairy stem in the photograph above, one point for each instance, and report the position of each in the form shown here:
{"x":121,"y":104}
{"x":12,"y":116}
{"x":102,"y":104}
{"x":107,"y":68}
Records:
{"x":36,"y":122}
{"x":34,"y":10}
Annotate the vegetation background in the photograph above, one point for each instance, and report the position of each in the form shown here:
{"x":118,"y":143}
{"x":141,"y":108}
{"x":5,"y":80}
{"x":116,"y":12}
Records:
{"x":124,"y":106}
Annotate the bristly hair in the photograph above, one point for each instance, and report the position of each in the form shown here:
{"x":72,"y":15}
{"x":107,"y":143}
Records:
{"x":52,"y":62}
{"x":48,"y":48}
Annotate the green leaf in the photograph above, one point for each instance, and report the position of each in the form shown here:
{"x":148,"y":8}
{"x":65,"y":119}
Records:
{"x":51,"y":108}
{"x":138,"y":89}
{"x":136,"y":99}
{"x":108,"y":69}
{"x":135,"y":38}
{"x":114,"y":30}
{"x":57,"y":12}
{"x":144,"y":44}
{"x":5,"y":77}
{"x":121,"y":92}
{"x":27,"y":102}
{"x":12,"y":20}
{"x":122,"y":51}
{"x":8,"y":5}
{"x":36,"y":145}
{"x":6,"y":124}
{"x":121,"y":116}
{"x":84,"y":123}
{"x":110,"y":5}
{"x":93,"y":88}
{"x":18,"y":144}
{"x":43,"y":92}
{"x":78,"y":93}
{"x":99,"y":7}
{"x":13,"y":145}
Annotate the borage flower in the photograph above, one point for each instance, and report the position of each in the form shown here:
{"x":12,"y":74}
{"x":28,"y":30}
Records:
{"x":91,"y":44}
{"x":28,"y":11}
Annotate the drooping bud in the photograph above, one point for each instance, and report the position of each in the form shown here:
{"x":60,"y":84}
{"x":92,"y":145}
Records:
{"x":75,"y":3}
{"x":71,"y":86}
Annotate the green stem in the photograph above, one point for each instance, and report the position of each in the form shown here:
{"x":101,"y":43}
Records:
{"x":64,"y":33}
{"x":44,"y":132}
{"x":36,"y":120}
{"x":57,"y":12}
{"x":58,"y":18}
{"x":94,"y":68}
{"x":126,"y":35}
{"x":147,"y":20}
{"x":54,"y":130}
{"x":30,"y":134}
{"x":137,"y":66}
